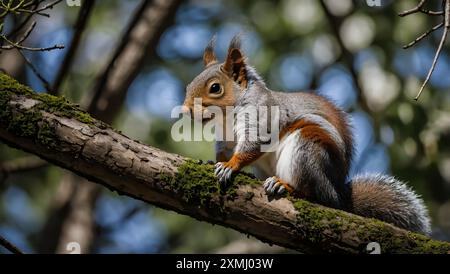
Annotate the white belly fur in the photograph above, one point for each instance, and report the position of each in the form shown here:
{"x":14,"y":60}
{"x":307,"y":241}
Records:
{"x":285,"y":154}
{"x":279,"y":163}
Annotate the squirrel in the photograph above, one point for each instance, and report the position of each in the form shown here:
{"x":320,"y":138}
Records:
{"x":315,"y":148}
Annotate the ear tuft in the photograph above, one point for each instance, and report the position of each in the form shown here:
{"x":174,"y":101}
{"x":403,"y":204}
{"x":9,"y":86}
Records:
{"x":208,"y":55}
{"x":234,"y":64}
{"x":235,"y":42}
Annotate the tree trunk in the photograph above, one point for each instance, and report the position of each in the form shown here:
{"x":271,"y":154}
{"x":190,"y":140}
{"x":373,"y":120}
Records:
{"x":64,"y":135}
{"x":138,"y":42}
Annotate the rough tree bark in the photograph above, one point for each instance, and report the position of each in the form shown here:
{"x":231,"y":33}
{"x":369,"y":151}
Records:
{"x":64,"y":135}
{"x":72,"y":218}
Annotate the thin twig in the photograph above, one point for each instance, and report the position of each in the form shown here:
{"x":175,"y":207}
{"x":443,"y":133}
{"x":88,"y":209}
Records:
{"x":99,"y":86}
{"x":432,"y":13}
{"x":40,"y":10}
{"x":22,"y":7}
{"x":438,"y":51}
{"x":413,"y":10}
{"x":34,"y":2}
{"x":418,"y":39}
{"x":79,"y":27}
{"x":30,"y":8}
{"x":9,"y":246}
{"x":27,"y":33}
{"x":16,"y":45}
{"x":24,"y":22}
{"x":445,"y":23}
{"x":35,"y":71}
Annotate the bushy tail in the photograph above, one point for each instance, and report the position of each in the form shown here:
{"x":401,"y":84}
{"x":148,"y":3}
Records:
{"x":387,"y":199}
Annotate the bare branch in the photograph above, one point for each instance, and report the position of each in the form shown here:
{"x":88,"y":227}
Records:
{"x":432,"y":13}
{"x":35,"y":71}
{"x":441,"y":45}
{"x":70,"y":138}
{"x":24,"y":22}
{"x":27,"y":33}
{"x":418,"y":39}
{"x":138,"y":42}
{"x":445,"y":23}
{"x":419,"y":8}
{"x":18,"y":46}
{"x":18,"y":9}
{"x":79,"y":27}
{"x":9,"y":246}
{"x":39,"y":11}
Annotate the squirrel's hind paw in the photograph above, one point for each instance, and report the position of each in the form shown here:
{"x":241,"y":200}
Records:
{"x":275,"y":186}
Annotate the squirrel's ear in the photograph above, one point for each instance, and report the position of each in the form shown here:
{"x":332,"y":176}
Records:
{"x":209,"y":56}
{"x":234,"y":65}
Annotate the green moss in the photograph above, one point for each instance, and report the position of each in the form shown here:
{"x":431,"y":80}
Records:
{"x":62,"y":107}
{"x":22,"y":123}
{"x":9,"y":84}
{"x":318,"y":224}
{"x":25,"y":124}
{"x":29,"y":122}
{"x":57,"y":105}
{"x":317,"y":220}
{"x":45,"y":134}
{"x":411,"y":243}
{"x":5,"y":112}
{"x":196,"y":184}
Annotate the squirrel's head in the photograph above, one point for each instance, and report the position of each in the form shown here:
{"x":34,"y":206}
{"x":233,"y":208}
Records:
{"x":219,"y":84}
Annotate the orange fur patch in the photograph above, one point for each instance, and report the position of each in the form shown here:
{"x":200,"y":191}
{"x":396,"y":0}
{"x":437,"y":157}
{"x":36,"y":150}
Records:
{"x":336,"y":117}
{"x":228,"y":98}
{"x":240,"y":160}
{"x":312,"y":132}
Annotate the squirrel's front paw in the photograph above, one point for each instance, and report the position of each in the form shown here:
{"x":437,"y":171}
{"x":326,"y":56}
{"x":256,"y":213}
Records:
{"x":223,"y":172}
{"x":275,"y":186}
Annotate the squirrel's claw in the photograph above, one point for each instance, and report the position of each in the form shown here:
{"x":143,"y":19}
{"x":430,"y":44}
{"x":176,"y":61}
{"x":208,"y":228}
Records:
{"x":223,"y":173}
{"x":274,"y":186}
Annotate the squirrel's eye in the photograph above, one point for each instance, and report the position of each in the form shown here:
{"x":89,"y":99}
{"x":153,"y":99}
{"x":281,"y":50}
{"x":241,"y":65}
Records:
{"x":215,"y":88}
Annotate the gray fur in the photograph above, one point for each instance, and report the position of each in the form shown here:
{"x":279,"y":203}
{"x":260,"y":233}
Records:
{"x":309,"y":168}
{"x":311,"y":161}
{"x":408,"y":212}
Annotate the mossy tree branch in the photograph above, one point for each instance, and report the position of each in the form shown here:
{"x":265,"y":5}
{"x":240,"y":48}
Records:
{"x":64,"y":135}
